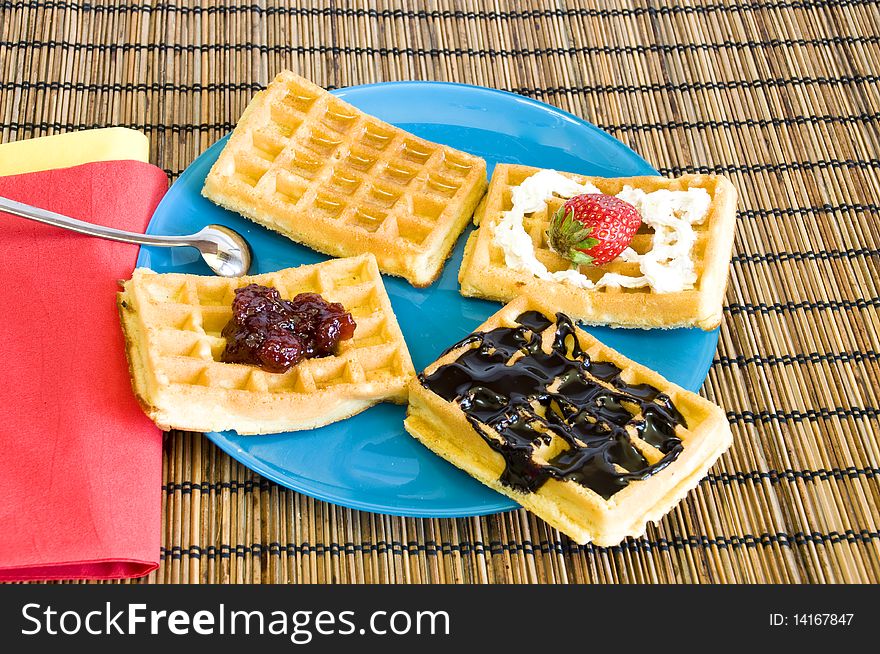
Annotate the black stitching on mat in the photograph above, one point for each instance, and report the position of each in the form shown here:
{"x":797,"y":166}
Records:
{"x":163,"y":7}
{"x":132,"y":86}
{"x":820,"y":255}
{"x":466,"y":548}
{"x":542,"y":92}
{"x":810,"y":415}
{"x":248,"y":486}
{"x":786,"y":166}
{"x":700,"y":86}
{"x":745,"y":122}
{"x":777,"y":476}
{"x":798,"y":212}
{"x":261,"y":48}
{"x":787,"y":307}
{"x":186,"y":487}
{"x":614,"y":127}
{"x":170,"y":127}
{"x":789,"y":359}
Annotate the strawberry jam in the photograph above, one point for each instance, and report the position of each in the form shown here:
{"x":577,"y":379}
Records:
{"x":277,"y":334}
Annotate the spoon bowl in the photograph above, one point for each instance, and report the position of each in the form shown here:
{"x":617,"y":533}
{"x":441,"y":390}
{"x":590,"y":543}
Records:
{"x":225,"y":251}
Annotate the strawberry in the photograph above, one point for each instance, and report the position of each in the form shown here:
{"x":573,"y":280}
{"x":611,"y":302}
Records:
{"x":592,"y":229}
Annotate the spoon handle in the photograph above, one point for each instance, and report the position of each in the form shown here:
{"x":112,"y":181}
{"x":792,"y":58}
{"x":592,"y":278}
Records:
{"x":58,"y":220}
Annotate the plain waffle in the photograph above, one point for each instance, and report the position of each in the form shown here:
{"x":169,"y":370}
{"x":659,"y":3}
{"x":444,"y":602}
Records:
{"x":485,"y":274}
{"x":173,"y":322}
{"x":584,"y":503}
{"x":323,"y":173}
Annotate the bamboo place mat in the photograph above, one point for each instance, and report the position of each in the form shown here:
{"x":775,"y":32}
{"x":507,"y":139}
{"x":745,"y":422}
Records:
{"x":783,"y":97}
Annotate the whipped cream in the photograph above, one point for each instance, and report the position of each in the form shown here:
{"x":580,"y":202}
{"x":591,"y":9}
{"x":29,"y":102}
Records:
{"x":667,"y":267}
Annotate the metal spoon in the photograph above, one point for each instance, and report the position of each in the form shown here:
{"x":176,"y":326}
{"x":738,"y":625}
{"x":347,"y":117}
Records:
{"x":223,"y":249}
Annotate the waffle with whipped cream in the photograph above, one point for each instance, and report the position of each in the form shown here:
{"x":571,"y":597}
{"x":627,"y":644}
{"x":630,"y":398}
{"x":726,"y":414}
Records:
{"x":173,"y":323}
{"x":672,"y":275}
{"x":327,"y":175}
{"x":539,"y":410}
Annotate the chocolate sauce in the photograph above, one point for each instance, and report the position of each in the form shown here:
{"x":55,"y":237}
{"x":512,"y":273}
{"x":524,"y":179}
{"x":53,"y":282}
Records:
{"x":590,"y":418}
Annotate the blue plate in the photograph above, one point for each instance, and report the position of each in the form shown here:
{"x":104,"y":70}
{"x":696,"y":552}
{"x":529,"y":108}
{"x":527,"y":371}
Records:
{"x":369,"y":462}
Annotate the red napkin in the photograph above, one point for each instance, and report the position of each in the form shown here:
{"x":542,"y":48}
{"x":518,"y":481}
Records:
{"x":80,"y":479}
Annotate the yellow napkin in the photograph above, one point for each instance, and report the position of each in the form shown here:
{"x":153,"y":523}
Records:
{"x":73,"y":149}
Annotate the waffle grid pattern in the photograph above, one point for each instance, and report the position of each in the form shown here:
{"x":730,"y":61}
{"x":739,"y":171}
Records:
{"x":536,"y":226}
{"x":182,"y":317}
{"x":484,"y":272}
{"x":577,"y":510}
{"x":300,"y":155}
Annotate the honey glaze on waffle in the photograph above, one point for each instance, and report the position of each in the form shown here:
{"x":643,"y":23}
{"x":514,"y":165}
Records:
{"x":558,"y":414}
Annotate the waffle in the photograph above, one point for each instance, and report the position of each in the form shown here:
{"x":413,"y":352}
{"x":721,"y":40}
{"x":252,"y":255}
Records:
{"x":484,"y":273}
{"x":172,"y":324}
{"x":590,"y":498}
{"x":308,"y":165}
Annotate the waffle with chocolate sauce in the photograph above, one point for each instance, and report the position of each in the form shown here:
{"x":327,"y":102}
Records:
{"x":325,"y":174}
{"x":485,"y":274}
{"x":542,"y":412}
{"x":173,"y":323}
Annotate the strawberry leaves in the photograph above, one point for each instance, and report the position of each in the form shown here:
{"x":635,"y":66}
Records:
{"x":592,"y":229}
{"x":568,"y":237}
